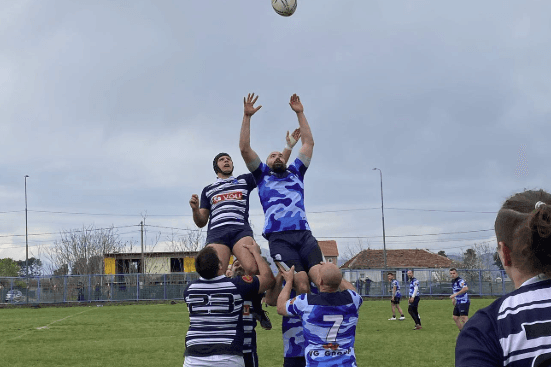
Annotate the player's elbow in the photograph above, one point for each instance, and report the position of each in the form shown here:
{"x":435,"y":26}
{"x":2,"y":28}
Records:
{"x":281,"y":308}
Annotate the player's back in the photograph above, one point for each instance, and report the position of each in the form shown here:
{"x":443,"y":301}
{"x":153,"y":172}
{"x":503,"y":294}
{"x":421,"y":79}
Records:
{"x":329,"y":321}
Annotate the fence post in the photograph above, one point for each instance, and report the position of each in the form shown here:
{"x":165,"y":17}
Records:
{"x":164,"y":285}
{"x":137,"y":286}
{"x":479,"y":282}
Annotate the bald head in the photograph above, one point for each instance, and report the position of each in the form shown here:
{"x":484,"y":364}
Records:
{"x":330,"y":276}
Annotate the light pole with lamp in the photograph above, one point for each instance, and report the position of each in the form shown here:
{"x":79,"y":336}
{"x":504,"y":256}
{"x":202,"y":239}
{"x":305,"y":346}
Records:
{"x":383,"y":215}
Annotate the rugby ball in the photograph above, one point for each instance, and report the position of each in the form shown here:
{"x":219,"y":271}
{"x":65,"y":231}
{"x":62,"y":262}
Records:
{"x":284,"y":8}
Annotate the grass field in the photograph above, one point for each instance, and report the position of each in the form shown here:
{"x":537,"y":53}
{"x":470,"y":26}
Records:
{"x":153,"y":335}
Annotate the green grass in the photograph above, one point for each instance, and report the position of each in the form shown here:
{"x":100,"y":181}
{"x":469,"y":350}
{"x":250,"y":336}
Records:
{"x":153,"y":335}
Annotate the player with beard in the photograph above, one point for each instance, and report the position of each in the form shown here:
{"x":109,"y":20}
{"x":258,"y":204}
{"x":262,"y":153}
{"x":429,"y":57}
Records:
{"x":281,"y":191}
{"x":224,"y":205}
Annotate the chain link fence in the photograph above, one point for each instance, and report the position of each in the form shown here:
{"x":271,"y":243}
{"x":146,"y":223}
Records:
{"x":94,"y":288}
{"x":437,"y":283}
{"x":370,"y":283}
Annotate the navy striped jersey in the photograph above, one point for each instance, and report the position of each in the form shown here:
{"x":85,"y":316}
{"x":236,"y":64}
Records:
{"x":412,"y":284}
{"x":293,"y":334}
{"x":514,"y":331}
{"x":282,"y":197}
{"x":228,"y":201}
{"x":216,"y":314}
{"x":249,"y":324}
{"x":395,"y":283}
{"x":457,"y":285}
{"x":329,"y":321}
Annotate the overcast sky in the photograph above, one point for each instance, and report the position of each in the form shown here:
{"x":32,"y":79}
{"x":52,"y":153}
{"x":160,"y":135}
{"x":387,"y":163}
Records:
{"x":115,"y":109}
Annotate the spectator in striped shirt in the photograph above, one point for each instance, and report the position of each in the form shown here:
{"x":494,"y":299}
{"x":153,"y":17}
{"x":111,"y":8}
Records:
{"x":515,"y":330}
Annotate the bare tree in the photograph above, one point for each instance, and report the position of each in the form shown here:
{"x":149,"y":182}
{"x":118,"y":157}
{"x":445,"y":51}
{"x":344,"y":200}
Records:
{"x":82,"y":251}
{"x":352,"y":250}
{"x":192,"y":240}
{"x":480,"y":256}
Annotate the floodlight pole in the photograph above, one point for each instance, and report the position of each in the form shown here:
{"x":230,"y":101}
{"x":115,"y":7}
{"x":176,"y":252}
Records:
{"x":383,"y":215}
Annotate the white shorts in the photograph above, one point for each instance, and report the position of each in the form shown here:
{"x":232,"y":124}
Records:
{"x":219,"y":360}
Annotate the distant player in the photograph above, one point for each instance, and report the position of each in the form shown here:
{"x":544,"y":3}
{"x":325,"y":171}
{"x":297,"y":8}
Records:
{"x":215,"y":305}
{"x":281,"y":192}
{"x":414,"y":297}
{"x":515,"y":330}
{"x":395,"y":299}
{"x":329,"y":318}
{"x":460,"y":299}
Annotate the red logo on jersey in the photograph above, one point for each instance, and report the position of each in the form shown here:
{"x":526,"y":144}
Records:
{"x":247,"y":278}
{"x":237,"y":195}
{"x":332,"y":346}
{"x":292,"y":301}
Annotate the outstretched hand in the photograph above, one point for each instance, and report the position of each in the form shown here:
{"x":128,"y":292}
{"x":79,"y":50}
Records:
{"x":293,"y":138}
{"x":194,"y":201}
{"x":295,"y":104}
{"x":248,"y":103}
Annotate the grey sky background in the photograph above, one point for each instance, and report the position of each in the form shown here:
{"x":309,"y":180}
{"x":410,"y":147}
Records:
{"x":115,"y":109}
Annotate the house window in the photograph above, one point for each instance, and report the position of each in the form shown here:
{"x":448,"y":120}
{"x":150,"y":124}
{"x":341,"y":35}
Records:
{"x":176,"y":265}
{"x":330,"y":260}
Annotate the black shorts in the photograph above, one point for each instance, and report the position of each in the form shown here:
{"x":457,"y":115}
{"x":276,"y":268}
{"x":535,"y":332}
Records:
{"x":251,"y":359}
{"x":396,"y":300}
{"x":461,"y":309}
{"x":294,"y":361}
{"x":415,"y":302}
{"x":298,"y":248}
{"x":228,"y":235}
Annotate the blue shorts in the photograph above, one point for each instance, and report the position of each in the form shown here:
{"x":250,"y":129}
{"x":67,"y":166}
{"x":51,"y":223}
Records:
{"x":228,"y":235}
{"x":461,"y":309}
{"x":298,"y":248}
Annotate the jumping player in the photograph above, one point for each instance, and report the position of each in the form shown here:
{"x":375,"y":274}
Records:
{"x":281,"y":191}
{"x":329,"y":318}
{"x":413,"y":308}
{"x":396,"y":295}
{"x":515,"y":331}
{"x":215,"y":305}
{"x":460,"y":299}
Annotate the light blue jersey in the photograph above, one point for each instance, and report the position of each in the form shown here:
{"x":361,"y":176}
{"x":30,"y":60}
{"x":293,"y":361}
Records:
{"x":396,"y":284}
{"x":329,"y":321}
{"x":293,"y":334}
{"x":457,"y":285}
{"x":414,"y":283}
{"x":282,"y":197}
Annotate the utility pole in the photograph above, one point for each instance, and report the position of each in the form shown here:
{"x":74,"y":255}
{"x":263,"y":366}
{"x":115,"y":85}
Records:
{"x":142,"y":261}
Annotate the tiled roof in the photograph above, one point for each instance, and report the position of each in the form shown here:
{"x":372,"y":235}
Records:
{"x":398,"y":259}
{"x":329,"y":248}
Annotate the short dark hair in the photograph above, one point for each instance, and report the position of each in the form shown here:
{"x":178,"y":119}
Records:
{"x":453,"y":269}
{"x":526,"y":230}
{"x":207,"y":263}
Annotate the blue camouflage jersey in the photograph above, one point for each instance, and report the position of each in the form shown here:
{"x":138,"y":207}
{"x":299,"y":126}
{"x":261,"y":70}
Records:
{"x":228,"y":201}
{"x":282,"y":197}
{"x":396,"y":284}
{"x":293,"y":334}
{"x":514,"y":331}
{"x":412,"y":284}
{"x":329,"y":321}
{"x":457,"y":285}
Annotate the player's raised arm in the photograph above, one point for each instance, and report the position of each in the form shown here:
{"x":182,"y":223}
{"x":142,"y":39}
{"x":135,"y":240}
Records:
{"x":286,"y":291}
{"x":200,"y":215}
{"x":306,"y":134}
{"x":249,"y":155}
{"x":291,"y":140}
